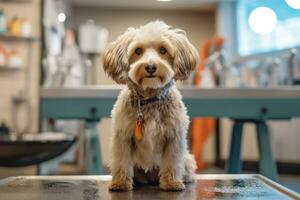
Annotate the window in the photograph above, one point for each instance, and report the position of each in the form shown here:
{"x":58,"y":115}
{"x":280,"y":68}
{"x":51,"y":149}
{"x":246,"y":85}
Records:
{"x":267,"y":25}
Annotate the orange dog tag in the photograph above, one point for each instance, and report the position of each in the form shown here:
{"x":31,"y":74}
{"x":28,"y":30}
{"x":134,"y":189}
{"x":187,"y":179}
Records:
{"x":138,"y":128}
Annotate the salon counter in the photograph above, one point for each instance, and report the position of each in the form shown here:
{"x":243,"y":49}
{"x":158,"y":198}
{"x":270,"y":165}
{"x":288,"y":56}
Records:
{"x":90,"y":102}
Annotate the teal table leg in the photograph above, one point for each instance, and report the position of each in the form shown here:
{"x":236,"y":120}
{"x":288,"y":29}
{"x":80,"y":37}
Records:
{"x":234,"y":163}
{"x":49,"y":167}
{"x":267,"y":164}
{"x":93,"y":151}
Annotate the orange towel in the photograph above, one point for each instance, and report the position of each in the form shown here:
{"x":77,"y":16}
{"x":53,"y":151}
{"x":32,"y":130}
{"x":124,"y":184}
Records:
{"x":202,"y":127}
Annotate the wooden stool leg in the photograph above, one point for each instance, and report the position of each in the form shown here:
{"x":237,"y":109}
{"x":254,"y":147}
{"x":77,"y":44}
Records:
{"x":267,"y":164}
{"x":234,"y":163}
{"x":93,"y":150}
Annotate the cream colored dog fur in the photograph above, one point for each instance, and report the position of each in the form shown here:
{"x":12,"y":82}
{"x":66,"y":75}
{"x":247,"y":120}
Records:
{"x":147,"y":59}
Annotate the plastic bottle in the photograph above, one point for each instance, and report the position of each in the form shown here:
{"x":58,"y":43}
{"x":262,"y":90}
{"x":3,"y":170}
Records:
{"x":25,"y":27}
{"x":15,"y":26}
{"x":14,"y":59}
{"x":4,"y":130}
{"x":2,"y":23}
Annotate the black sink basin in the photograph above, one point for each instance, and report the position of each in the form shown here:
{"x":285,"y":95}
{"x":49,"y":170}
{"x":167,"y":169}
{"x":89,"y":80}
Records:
{"x":33,"y":149}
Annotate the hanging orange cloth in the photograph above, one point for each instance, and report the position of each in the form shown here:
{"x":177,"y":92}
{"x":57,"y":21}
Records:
{"x":201,"y":128}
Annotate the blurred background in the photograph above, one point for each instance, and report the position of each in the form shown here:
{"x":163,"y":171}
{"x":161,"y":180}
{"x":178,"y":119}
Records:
{"x":59,"y":43}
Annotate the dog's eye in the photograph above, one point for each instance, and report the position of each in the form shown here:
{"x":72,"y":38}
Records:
{"x":163,"y":50}
{"x":138,"y":51}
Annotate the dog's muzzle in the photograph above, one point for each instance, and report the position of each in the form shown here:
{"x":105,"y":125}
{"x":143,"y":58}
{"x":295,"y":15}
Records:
{"x":150,"y":68}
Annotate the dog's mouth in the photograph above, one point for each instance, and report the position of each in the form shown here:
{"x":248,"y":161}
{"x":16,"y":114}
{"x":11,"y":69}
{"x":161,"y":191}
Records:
{"x":150,"y":76}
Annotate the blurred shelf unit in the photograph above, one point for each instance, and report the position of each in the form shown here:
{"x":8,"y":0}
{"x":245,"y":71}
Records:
{"x":17,"y":38}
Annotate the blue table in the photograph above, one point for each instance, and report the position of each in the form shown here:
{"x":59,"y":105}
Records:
{"x":242,"y":105}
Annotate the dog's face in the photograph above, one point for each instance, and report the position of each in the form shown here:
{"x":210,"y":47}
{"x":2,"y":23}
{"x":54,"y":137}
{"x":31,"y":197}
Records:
{"x":150,"y":56}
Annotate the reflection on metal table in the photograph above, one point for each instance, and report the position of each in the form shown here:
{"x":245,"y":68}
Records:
{"x":96,"y":187}
{"x":242,"y":105}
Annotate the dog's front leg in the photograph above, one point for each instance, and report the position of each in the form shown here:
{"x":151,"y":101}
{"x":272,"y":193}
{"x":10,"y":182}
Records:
{"x":121,"y":167}
{"x":171,"y":168}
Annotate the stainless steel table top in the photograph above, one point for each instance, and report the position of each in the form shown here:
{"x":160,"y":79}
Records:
{"x":96,"y":187}
{"x":112,"y":91}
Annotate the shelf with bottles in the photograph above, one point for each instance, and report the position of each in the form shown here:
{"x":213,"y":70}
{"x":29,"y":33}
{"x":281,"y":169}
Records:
{"x":15,"y":29}
{"x":10,"y":59}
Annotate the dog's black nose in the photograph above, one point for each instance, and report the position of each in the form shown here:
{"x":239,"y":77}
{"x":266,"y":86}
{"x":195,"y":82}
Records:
{"x":151,"y":68}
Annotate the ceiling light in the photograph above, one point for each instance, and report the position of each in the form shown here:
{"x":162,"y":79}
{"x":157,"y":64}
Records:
{"x":293,"y":3}
{"x":262,"y":20}
{"x":61,"y":17}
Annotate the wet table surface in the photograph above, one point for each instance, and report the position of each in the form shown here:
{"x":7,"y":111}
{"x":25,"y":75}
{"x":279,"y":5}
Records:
{"x":96,"y":187}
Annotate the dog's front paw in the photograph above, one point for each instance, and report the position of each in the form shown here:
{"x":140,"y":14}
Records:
{"x":120,"y":186}
{"x":172,"y":185}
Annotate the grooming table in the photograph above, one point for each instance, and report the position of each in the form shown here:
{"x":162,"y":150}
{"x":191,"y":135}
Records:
{"x":96,"y":188}
{"x":242,"y":105}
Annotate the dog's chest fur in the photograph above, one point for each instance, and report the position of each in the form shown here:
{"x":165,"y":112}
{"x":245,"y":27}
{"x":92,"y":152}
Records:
{"x":163,"y":120}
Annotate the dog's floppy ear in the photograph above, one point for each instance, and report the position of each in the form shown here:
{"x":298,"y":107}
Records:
{"x":115,"y":58}
{"x":185,"y":55}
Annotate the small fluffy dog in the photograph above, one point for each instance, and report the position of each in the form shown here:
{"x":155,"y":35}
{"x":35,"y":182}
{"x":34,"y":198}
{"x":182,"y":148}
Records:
{"x":150,"y":121}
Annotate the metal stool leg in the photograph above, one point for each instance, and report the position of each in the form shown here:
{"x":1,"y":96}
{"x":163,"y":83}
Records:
{"x":267,"y":164}
{"x":234,"y":163}
{"x":93,"y":151}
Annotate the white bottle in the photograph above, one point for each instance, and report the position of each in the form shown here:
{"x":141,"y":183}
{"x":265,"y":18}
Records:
{"x":14,"y":59}
{"x":26,"y":28}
